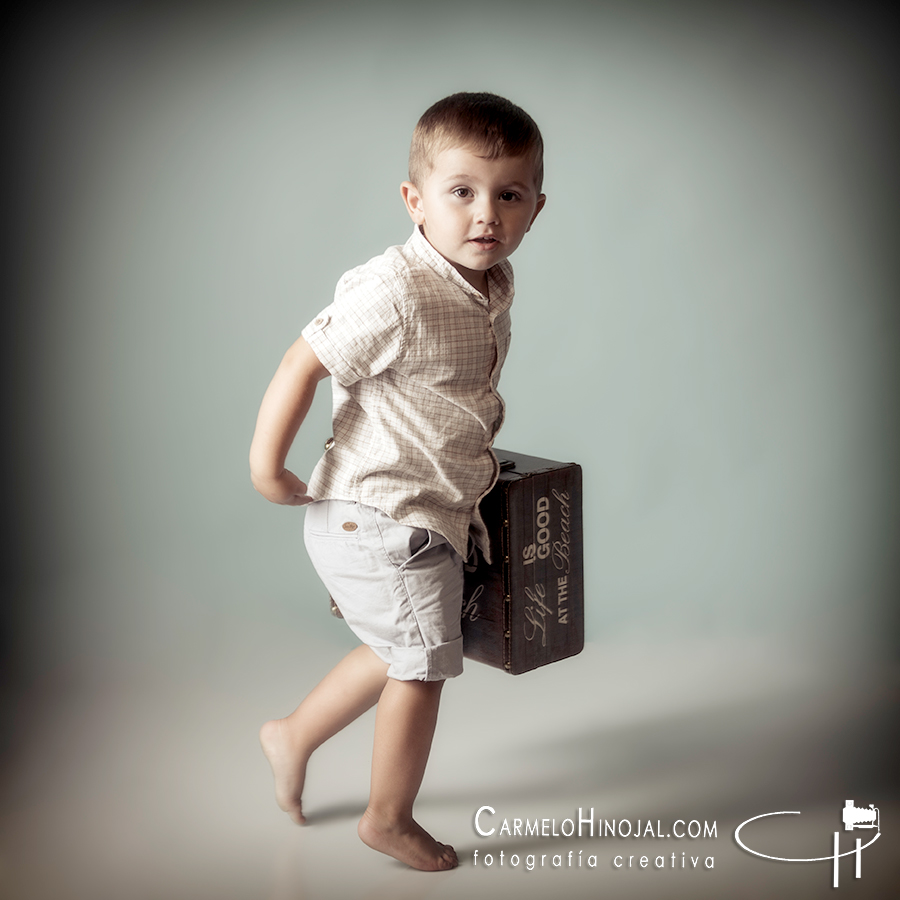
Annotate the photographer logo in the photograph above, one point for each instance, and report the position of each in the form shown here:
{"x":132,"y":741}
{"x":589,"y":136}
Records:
{"x":853,"y":817}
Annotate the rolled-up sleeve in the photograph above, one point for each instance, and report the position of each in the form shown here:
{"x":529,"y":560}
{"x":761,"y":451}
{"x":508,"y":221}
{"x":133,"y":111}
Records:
{"x":360,"y":334}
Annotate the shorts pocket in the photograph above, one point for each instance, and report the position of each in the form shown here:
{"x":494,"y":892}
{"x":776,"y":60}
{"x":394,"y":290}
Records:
{"x":337,"y":519}
{"x":404,"y":543}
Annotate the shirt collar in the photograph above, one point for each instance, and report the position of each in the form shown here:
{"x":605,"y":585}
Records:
{"x":500,"y":277}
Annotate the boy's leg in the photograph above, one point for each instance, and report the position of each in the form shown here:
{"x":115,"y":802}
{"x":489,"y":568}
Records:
{"x":404,"y":728}
{"x":345,"y":693}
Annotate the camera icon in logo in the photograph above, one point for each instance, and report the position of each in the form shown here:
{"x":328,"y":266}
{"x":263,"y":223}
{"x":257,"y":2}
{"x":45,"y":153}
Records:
{"x":856,"y":817}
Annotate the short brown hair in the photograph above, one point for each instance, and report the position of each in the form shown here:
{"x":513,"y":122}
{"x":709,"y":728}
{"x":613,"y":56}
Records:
{"x":492,"y":125}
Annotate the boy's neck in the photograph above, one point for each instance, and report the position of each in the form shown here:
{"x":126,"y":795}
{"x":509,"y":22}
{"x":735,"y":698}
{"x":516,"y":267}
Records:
{"x":476,"y":277}
{"x":479,"y":281}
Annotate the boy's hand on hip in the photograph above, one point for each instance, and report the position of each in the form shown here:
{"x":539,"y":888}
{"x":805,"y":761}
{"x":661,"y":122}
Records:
{"x":286,"y":489}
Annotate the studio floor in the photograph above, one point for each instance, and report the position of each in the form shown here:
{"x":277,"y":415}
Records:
{"x":146,"y":784}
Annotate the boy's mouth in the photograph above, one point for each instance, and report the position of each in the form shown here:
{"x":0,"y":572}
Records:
{"x":485,"y":239}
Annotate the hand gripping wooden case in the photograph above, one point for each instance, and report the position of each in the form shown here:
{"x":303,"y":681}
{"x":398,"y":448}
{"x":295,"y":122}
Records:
{"x":526,"y":608}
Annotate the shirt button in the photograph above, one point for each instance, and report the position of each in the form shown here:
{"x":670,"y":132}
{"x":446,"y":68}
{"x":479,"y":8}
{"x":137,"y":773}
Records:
{"x":329,"y":443}
{"x":318,"y":321}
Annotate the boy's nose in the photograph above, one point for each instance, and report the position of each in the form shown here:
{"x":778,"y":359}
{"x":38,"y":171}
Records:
{"x":487,"y":213}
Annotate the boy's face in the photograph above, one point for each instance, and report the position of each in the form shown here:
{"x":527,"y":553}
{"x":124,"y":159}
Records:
{"x":474,"y":211}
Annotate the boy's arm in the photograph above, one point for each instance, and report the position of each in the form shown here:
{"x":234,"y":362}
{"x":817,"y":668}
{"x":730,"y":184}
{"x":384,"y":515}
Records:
{"x":283,"y":409}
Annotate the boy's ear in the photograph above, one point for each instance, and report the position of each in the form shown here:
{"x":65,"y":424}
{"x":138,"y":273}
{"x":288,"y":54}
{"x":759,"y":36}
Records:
{"x":413,"y":201}
{"x":542,"y":199}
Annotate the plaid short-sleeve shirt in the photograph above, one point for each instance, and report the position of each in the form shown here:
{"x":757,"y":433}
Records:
{"x":415,"y":353}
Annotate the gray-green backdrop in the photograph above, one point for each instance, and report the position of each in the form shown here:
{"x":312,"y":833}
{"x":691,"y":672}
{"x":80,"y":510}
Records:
{"x":705,"y":316}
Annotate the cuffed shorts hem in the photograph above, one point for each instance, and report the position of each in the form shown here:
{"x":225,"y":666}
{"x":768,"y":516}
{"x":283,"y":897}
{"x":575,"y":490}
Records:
{"x":423,"y":664}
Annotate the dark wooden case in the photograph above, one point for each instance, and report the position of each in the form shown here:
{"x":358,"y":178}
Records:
{"x":526,"y":608}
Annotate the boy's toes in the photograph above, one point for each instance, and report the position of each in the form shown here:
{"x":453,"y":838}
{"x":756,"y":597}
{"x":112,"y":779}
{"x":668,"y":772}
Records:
{"x":297,"y":815}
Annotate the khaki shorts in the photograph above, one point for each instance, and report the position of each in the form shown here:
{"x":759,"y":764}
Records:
{"x":399,"y":588}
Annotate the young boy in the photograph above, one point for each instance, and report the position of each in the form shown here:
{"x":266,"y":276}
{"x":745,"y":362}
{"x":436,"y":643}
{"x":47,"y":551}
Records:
{"x":414,"y":342}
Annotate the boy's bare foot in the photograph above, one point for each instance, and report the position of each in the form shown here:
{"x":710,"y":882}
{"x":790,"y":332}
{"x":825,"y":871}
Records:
{"x":288,"y":762}
{"x":407,"y":842}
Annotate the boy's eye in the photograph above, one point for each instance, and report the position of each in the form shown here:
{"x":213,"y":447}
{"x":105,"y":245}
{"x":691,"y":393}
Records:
{"x":462,"y":192}
{"x":509,"y":195}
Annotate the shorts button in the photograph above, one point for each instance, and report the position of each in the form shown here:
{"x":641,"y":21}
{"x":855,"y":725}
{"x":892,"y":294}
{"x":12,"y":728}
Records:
{"x":349,"y":526}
